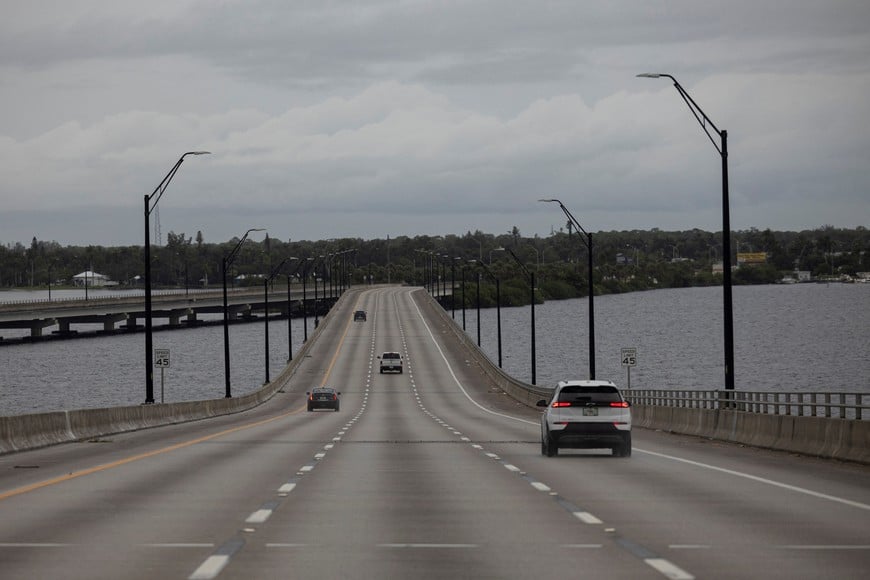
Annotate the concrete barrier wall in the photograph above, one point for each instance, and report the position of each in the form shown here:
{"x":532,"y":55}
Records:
{"x":22,"y":432}
{"x":844,"y":439}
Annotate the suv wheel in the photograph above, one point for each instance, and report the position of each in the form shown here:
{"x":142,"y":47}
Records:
{"x":623,"y":450}
{"x":549,"y":446}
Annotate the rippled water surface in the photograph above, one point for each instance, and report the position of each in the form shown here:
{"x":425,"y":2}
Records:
{"x":807,"y":337}
{"x":802,"y":337}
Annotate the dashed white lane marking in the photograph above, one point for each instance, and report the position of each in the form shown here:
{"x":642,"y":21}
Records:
{"x":178,"y":545}
{"x":33,"y":545}
{"x":319,"y":455}
{"x":287,"y":488}
{"x":587,"y":518}
{"x":258,"y":517}
{"x":540,"y":486}
{"x":210,"y":568}
{"x":426,"y":546}
{"x":669,"y":570}
{"x":510,"y":467}
{"x":305,"y":468}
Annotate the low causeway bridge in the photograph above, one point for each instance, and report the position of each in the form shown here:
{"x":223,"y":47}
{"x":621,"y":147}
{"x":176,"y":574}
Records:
{"x":126,"y":313}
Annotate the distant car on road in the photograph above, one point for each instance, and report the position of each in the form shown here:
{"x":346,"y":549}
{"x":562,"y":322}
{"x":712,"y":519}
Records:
{"x":391,"y":361}
{"x":323,"y":398}
{"x":586,"y":415}
{"x":359,"y":315}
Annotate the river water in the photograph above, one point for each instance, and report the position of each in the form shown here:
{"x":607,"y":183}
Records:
{"x":800,"y":337}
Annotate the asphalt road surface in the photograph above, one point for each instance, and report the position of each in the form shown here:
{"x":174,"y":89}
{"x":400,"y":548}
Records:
{"x":431,"y":473}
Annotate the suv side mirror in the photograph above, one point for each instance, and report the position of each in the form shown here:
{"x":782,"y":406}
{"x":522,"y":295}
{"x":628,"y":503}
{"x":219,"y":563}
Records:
{"x":541,"y":403}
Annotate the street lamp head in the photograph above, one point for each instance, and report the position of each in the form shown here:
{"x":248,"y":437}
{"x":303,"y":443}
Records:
{"x":550,"y":200}
{"x":198,"y":153}
{"x":657,"y":76}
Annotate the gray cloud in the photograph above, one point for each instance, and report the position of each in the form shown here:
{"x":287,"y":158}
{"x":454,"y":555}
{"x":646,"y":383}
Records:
{"x":421,"y":117}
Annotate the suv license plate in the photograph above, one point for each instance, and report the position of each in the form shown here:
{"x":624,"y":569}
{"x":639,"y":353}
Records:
{"x":590,"y":412}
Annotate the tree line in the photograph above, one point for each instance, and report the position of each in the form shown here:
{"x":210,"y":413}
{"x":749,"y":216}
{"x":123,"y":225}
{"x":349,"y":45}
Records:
{"x":623,"y":260}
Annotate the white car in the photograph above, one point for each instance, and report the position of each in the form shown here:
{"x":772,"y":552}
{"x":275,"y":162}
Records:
{"x":586,"y":415}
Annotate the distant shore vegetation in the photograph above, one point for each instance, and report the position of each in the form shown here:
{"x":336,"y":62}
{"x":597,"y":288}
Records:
{"x":623,"y":261}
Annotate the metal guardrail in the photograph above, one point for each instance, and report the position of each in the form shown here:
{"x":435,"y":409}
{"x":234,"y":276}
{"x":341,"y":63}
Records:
{"x":837,"y":405}
{"x":126,"y":295}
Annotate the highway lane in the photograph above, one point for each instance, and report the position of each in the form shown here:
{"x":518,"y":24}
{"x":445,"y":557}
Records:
{"x":413,"y":478}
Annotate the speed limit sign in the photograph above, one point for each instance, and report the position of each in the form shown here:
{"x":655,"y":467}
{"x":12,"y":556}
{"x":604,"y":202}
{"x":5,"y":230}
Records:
{"x":629,"y":359}
{"x":161,"y":358}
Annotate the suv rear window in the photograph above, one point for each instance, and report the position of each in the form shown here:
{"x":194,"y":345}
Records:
{"x":602,"y":394}
{"x":391,"y":355}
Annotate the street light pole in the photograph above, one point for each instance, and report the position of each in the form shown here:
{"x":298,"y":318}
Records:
{"x":722,"y":149}
{"x":149,"y":342}
{"x":453,"y":287}
{"x":266,"y":283}
{"x":226,"y":262}
{"x":478,"y":308}
{"x":497,"y":308}
{"x":463,"y":298}
{"x":531,"y":276}
{"x":591,"y":288}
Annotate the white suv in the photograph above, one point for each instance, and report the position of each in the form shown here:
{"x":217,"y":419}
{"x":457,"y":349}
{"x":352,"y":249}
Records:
{"x":586,"y":415}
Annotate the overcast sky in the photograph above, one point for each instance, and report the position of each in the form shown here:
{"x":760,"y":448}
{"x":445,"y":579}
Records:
{"x":366,"y":119}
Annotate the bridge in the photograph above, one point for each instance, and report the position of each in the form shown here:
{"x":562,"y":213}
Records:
{"x":434,"y":473}
{"x":170,"y":309}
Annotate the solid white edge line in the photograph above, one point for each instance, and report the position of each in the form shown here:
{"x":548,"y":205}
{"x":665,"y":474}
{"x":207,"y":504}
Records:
{"x":210,"y":568}
{"x":668,"y":569}
{"x":826,"y":547}
{"x":795,"y":488}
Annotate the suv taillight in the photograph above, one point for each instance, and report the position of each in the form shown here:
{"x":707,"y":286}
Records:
{"x":621,"y":404}
{"x":561,"y":404}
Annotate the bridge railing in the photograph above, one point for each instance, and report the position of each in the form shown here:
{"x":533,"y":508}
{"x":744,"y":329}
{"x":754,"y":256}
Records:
{"x":838,"y":405}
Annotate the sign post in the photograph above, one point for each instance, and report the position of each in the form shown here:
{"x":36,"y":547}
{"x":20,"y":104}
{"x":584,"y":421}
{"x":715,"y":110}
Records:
{"x":629,"y":359}
{"x":161,"y":360}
